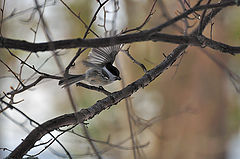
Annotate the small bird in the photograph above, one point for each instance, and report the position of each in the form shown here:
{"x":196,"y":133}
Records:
{"x":101,"y":70}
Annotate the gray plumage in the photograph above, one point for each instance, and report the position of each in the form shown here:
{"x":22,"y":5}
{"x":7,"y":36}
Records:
{"x":99,"y":62}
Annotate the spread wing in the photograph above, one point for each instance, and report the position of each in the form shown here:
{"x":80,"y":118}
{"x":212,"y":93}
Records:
{"x":101,"y":56}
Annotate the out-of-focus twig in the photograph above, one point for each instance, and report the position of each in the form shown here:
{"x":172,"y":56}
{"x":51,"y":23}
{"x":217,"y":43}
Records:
{"x":235,"y":78}
{"x":145,"y":21}
{"x":80,"y":50}
{"x":33,"y":121}
{"x":14,"y":74}
{"x":166,"y":14}
{"x":78,"y":16}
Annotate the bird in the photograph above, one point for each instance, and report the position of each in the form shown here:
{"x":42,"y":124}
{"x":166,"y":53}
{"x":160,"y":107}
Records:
{"x":100,"y":70}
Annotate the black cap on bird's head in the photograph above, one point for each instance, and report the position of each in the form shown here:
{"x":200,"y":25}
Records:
{"x":113,"y":70}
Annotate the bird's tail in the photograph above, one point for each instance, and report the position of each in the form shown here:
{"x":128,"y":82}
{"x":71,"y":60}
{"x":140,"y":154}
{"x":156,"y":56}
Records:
{"x":71,"y":80}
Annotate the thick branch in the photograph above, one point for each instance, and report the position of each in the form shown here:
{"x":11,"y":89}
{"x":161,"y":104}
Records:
{"x":123,"y":39}
{"x":136,"y":37}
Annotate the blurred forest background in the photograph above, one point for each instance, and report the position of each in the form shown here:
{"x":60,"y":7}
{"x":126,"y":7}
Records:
{"x":192,"y":111}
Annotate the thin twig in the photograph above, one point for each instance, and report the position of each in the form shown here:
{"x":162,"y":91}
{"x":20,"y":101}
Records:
{"x":15,"y":13}
{"x":33,"y":121}
{"x":99,"y":89}
{"x":14,"y":74}
{"x":80,"y":50}
{"x":91,"y":142}
{"x":200,"y":29}
{"x":135,"y":61}
{"x":128,"y":104}
{"x":78,"y":16}
{"x":234,"y":78}
{"x":107,"y":142}
{"x":145,"y":21}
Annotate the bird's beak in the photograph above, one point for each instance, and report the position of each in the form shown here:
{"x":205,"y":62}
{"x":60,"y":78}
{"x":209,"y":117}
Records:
{"x":118,"y":78}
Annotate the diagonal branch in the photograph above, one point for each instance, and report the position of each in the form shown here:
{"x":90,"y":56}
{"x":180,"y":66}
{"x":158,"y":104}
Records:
{"x":89,"y":113}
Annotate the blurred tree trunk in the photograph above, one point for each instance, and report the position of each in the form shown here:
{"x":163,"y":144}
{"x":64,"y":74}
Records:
{"x":196,"y":92}
{"x":200,"y":131}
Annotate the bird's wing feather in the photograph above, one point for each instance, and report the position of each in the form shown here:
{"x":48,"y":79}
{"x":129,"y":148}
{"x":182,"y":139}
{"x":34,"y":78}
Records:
{"x":103,"y":55}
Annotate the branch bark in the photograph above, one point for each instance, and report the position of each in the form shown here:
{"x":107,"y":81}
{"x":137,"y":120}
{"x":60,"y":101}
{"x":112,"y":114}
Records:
{"x":123,"y":39}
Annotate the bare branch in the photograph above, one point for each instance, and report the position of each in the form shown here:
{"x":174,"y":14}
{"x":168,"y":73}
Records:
{"x":145,"y":35}
{"x":78,"y":16}
{"x":99,"y":89}
{"x":12,"y":72}
{"x":129,"y":38}
{"x":135,"y":61}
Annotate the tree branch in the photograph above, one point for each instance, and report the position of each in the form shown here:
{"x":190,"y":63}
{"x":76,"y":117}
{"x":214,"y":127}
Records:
{"x":102,"y":42}
{"x":145,"y":35}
